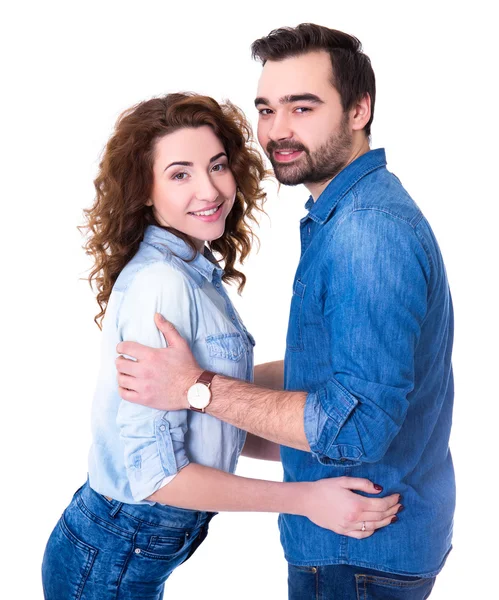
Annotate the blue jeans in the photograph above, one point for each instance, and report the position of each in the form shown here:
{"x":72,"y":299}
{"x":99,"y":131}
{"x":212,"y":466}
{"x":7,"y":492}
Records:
{"x":102,"y":549}
{"x":345,"y":582}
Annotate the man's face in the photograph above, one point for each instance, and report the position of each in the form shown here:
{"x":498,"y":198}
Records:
{"x":302,"y":126}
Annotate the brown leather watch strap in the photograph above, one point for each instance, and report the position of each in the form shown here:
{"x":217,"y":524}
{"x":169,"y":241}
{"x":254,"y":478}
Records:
{"x":206,"y":377}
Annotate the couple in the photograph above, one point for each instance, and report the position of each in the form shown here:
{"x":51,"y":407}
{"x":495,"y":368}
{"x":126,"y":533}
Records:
{"x":362,"y":403}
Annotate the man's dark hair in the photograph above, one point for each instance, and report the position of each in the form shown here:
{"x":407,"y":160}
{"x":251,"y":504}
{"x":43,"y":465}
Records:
{"x":352,"y":73}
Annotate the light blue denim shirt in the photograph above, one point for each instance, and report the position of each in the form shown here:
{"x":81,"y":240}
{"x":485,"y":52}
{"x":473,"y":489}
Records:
{"x":135,"y":447}
{"x":370,"y":338}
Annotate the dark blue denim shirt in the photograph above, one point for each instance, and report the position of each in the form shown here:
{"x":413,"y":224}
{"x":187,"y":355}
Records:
{"x":370,"y":338}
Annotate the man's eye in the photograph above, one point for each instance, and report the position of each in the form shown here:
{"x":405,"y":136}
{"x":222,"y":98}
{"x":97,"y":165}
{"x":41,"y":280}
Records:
{"x":303,"y":109}
{"x":265,"y":111}
{"x":180,"y":176}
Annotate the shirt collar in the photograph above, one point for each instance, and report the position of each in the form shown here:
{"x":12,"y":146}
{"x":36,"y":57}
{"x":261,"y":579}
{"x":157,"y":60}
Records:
{"x":321,"y":209}
{"x":163,"y":239}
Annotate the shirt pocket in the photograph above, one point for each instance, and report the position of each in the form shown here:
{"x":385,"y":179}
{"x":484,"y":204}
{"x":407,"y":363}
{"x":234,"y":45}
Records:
{"x":227,"y":354}
{"x":294,"y":339}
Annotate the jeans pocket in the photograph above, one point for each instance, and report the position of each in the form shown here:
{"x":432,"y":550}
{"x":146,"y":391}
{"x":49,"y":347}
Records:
{"x":167,"y":546}
{"x":302,"y":582}
{"x":66,"y":564}
{"x":373,"y":587}
{"x":294,"y":339}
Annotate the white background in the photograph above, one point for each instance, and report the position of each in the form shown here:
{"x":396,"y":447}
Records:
{"x":67,"y":72}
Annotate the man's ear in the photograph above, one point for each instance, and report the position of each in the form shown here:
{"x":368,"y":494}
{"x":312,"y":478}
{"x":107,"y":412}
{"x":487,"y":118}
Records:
{"x":360,"y":113}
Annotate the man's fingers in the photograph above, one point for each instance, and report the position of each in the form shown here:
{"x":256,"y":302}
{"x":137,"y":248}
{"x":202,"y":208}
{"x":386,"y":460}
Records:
{"x":127,"y":394}
{"x":172,"y":336}
{"x":126,"y":366}
{"x":125,"y":381}
{"x":138,"y":351}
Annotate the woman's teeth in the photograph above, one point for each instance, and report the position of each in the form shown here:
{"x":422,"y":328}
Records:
{"x":206,"y":213}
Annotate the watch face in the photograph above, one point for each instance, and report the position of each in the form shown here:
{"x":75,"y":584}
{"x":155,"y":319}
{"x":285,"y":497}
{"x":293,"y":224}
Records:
{"x":199,"y":395}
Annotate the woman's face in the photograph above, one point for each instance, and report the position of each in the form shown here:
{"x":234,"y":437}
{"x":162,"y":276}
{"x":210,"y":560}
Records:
{"x":193,"y":188}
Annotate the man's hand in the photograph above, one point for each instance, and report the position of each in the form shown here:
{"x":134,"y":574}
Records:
{"x":159,"y":377}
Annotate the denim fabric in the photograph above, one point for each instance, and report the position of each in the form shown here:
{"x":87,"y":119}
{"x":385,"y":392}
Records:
{"x":370,"y":338}
{"x":107,"y":550}
{"x":136,"y":448}
{"x":344,"y":582}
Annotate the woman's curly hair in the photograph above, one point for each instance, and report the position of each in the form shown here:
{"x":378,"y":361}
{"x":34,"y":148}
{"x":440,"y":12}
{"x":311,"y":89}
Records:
{"x":119,"y":216}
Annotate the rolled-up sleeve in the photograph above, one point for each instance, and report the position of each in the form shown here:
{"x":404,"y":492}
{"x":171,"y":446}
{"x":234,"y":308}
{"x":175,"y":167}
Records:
{"x":374,"y":306}
{"x":153,"y":440}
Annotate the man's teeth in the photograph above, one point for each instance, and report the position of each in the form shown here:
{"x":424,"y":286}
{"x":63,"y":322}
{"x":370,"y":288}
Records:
{"x":206,"y":213}
{"x":286,"y":151}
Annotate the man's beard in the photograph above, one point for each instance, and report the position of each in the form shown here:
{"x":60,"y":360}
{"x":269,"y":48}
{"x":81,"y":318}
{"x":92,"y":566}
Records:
{"x":313,"y":167}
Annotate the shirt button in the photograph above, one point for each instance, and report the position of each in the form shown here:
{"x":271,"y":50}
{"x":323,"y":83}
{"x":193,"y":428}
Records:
{"x":137,"y":550}
{"x":162,"y":428}
{"x":233,"y":318}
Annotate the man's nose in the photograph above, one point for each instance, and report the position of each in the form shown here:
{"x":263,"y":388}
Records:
{"x":280,"y":129}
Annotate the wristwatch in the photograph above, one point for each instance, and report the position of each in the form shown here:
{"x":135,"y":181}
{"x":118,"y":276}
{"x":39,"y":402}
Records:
{"x":199,"y":394}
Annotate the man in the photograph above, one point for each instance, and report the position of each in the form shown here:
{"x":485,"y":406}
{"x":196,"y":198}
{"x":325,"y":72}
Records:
{"x":369,"y":339}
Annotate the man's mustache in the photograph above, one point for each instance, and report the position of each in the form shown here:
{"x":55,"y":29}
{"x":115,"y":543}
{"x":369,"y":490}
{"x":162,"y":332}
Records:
{"x":294,"y":146}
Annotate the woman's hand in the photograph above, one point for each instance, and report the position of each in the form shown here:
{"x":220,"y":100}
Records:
{"x":331,"y":503}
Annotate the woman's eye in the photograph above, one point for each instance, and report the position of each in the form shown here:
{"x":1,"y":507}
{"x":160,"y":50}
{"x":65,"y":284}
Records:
{"x":180,"y":176}
{"x":218,"y":168}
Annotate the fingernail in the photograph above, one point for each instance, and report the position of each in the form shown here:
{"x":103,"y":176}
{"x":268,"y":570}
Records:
{"x":161,"y":318}
{"x":400,"y":497}
{"x":401,"y":508}
{"x":378,"y":487}
{"x":394,"y":518}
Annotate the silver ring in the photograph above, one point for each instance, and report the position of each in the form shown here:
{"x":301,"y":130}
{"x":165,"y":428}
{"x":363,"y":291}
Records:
{"x":363,"y":526}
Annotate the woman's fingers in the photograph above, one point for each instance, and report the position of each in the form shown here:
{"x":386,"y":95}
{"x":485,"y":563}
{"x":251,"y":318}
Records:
{"x":365,"y":529}
{"x":368,"y":522}
{"x":373,"y":525}
{"x":380,"y":504}
{"x":359,"y":535}
{"x":380,"y":516}
{"x":360,"y":485}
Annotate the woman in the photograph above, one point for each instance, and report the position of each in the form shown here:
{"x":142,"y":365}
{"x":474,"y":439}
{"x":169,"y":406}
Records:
{"x":179,"y":171}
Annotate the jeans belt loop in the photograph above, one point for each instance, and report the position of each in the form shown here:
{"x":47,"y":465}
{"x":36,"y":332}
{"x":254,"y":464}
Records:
{"x":116,"y":509}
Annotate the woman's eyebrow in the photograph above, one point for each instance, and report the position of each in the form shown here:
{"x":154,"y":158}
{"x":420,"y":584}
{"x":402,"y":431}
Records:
{"x":186,"y":163}
{"x":183,"y":163}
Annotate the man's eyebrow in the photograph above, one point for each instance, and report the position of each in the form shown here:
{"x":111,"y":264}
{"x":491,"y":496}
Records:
{"x":301,"y":98}
{"x":289,"y":99}
{"x":261,"y":100}
{"x":186,"y":163}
